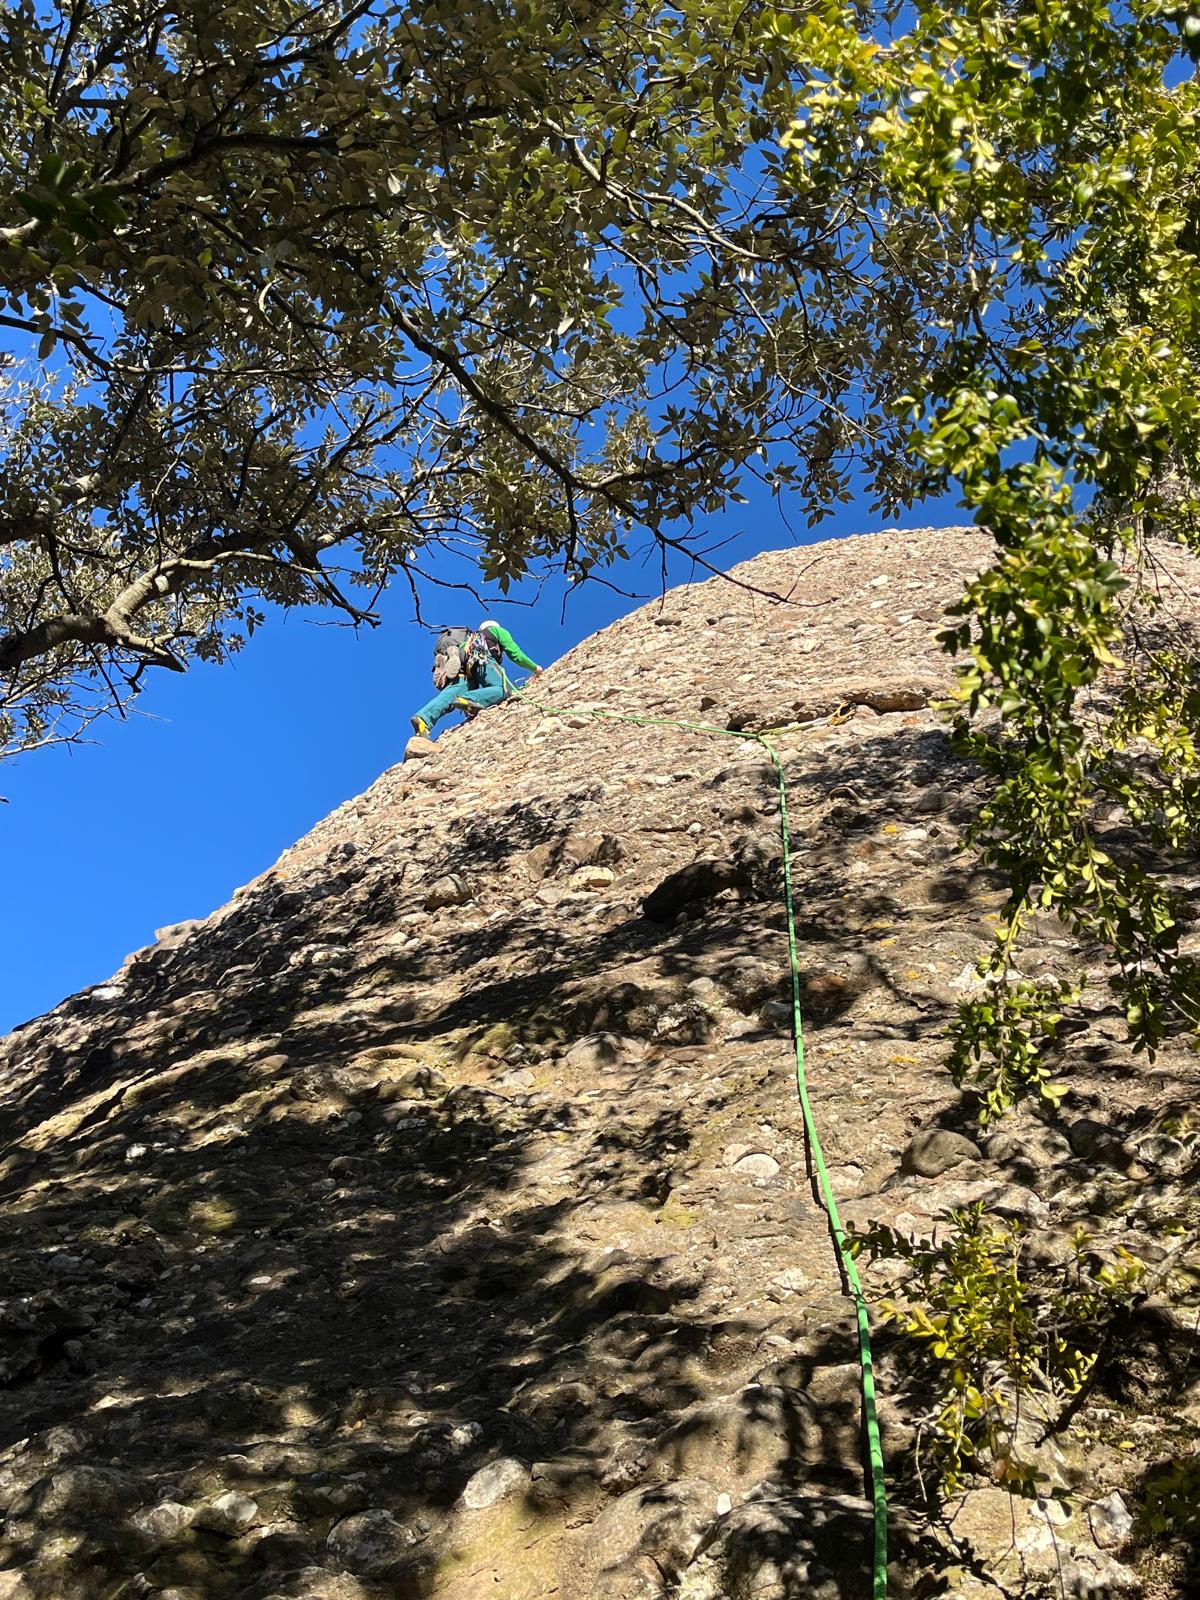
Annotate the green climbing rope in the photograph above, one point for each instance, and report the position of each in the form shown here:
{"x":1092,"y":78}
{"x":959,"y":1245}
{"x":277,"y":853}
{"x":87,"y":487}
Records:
{"x":849,"y":1269}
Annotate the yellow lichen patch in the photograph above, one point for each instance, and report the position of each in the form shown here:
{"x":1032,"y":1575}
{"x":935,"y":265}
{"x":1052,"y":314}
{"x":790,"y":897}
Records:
{"x":297,"y":1411}
{"x":618,"y":1221}
{"x":494,"y":1041}
{"x":212,"y":1216}
{"x":509,"y":1552}
{"x":312,"y":1113}
{"x":384,"y":1059}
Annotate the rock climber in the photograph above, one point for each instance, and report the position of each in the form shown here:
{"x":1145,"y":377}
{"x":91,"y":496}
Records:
{"x":467,"y":672}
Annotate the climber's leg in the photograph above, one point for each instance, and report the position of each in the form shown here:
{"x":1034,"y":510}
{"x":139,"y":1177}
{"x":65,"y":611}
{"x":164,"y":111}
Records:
{"x":454,"y":697}
{"x":489,"y":693}
{"x":434,"y":710}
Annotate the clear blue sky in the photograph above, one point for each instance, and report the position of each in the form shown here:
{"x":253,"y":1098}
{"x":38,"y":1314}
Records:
{"x":169,"y":812}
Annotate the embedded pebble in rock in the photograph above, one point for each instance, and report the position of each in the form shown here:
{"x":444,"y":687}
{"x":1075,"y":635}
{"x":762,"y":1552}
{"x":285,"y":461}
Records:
{"x":1099,"y":1577}
{"x":931,"y":1153}
{"x":776,"y":1013}
{"x":466,"y":1136}
{"x":1110,"y":1520}
{"x":230,"y":1513}
{"x":163,"y":1523}
{"x":1172,"y":1157}
{"x":792,"y":1281}
{"x":599,"y":1050}
{"x":1095,"y":1141}
{"x":592,"y":878}
{"x":1039,"y":1151}
{"x":369,"y":1542}
{"x":756,"y":1165}
{"x":452,"y":890}
{"x":495,"y":1482}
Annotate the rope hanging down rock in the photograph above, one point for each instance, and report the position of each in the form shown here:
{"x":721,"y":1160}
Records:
{"x":851,"y":1281}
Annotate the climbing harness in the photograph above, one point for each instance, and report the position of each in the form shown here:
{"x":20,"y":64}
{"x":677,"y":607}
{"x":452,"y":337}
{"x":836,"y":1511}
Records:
{"x":463,"y":653}
{"x":845,"y":1257}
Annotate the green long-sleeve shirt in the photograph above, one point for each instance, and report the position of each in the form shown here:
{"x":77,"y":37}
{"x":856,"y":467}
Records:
{"x":509,"y":645}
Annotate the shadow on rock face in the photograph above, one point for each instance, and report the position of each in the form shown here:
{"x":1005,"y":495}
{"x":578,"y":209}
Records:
{"x":797,"y":1546}
{"x":433,"y":1222}
{"x":288,"y":1292}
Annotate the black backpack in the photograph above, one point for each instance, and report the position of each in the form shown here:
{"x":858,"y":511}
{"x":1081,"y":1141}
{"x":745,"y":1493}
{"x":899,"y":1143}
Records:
{"x":460,"y":650}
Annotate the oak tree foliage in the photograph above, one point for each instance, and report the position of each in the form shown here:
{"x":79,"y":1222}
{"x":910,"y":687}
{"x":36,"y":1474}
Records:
{"x":1059,"y":155}
{"x":296,"y":294}
{"x":1055,"y":146}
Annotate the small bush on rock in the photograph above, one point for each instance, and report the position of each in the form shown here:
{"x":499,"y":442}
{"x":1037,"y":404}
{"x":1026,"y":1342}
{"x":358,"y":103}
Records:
{"x":996,"y":1334}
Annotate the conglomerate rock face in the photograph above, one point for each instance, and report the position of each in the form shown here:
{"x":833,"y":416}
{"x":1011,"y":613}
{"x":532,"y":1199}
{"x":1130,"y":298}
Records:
{"x":434,"y":1220}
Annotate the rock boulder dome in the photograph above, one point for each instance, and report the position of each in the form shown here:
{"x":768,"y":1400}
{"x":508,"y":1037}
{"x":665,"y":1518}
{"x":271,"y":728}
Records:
{"x":433,"y":1220}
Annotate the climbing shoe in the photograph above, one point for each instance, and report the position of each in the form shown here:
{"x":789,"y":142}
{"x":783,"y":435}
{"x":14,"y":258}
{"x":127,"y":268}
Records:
{"x":467,"y":707}
{"x":420,"y":727}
